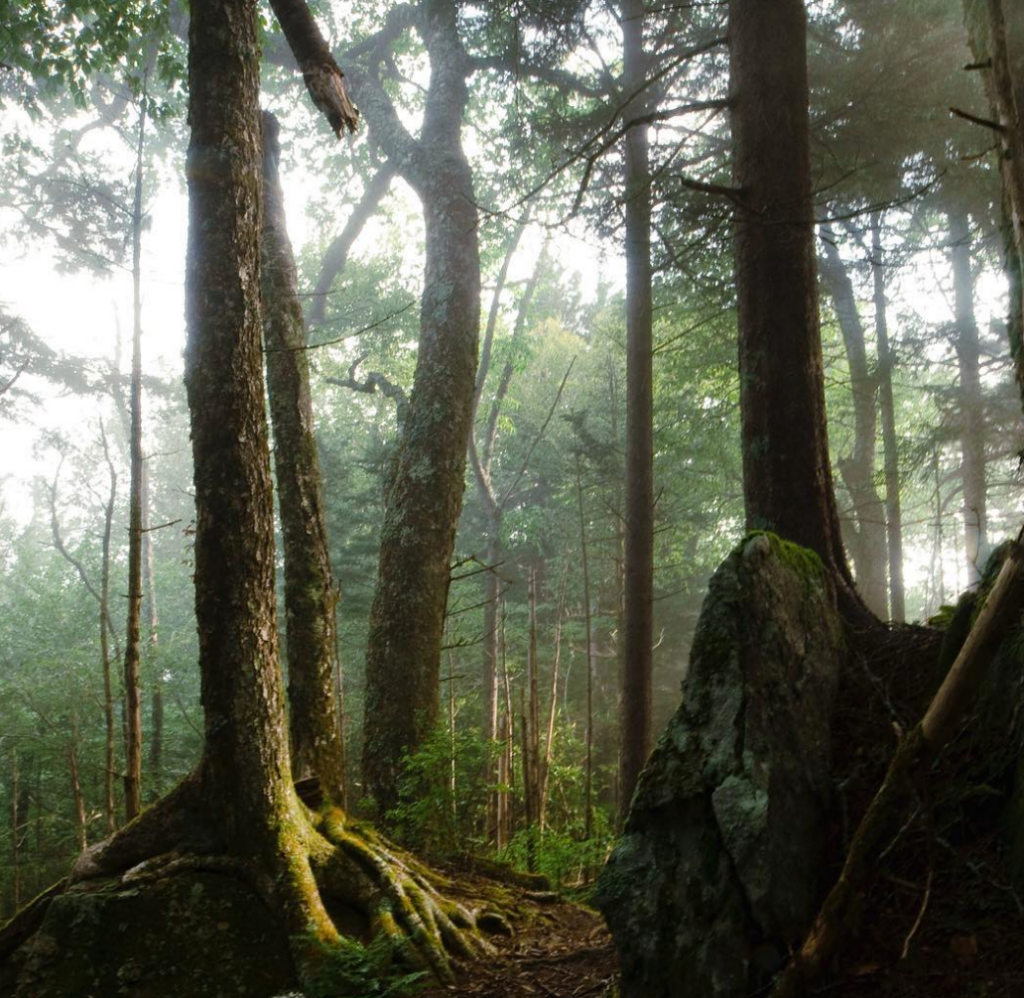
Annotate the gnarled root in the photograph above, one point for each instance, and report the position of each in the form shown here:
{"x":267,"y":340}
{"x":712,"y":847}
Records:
{"x":402,"y":898}
{"x":296,"y":862}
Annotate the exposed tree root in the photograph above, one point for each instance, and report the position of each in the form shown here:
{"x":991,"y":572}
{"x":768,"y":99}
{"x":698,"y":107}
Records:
{"x":305,"y":860}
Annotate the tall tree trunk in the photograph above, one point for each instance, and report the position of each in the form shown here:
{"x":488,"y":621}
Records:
{"x":424,"y":496}
{"x":886,"y":363}
{"x":787,"y":477}
{"x":858,"y":470}
{"x":1000,"y":47}
{"x":972,"y":406}
{"x":638,"y":636}
{"x":133,"y":629}
{"x":238,"y":812}
{"x":309,"y":593}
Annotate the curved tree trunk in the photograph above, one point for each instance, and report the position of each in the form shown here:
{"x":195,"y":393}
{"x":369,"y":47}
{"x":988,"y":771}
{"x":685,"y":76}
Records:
{"x":787,"y":477}
{"x":309,"y":594}
{"x":424,"y":496}
{"x":868,"y":547}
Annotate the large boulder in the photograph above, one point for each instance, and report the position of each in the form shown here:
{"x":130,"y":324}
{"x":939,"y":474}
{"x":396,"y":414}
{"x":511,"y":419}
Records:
{"x":203,"y":935}
{"x":717,"y":873}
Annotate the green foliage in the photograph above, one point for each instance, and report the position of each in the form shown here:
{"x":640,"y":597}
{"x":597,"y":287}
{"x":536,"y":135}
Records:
{"x":567,"y":860}
{"x":352,"y":970}
{"x":443,"y":794}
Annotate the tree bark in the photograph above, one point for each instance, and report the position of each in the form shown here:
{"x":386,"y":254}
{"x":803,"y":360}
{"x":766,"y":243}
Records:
{"x":1002,"y":47}
{"x":787,"y":478}
{"x":309,"y":593}
{"x":886,"y":364}
{"x":424,"y":496}
{"x":858,"y":470}
{"x":238,"y":812}
{"x":133,"y":629}
{"x":323,"y":77}
{"x":972,"y":406}
{"x":638,"y":636}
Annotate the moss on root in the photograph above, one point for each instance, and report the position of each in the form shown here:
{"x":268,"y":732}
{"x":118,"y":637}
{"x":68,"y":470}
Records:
{"x":281,"y":921}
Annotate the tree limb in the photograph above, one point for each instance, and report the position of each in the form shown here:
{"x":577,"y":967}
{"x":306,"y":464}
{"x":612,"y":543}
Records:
{"x":323,"y":77}
{"x":375,"y":381}
{"x":336,"y":255}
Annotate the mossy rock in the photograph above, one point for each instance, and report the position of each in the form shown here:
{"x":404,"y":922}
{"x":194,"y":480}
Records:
{"x":203,"y":935}
{"x":717,"y":873}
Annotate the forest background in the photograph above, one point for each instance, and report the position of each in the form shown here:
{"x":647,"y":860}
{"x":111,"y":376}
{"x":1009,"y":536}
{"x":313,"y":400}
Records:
{"x":913,"y":291}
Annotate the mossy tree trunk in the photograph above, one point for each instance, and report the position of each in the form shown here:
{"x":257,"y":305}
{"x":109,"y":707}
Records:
{"x":424,"y":495}
{"x":787,"y":477}
{"x":309,"y":593}
{"x":238,"y":813}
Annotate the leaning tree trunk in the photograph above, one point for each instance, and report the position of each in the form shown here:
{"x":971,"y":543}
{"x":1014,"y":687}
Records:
{"x":972,"y":406}
{"x":787,"y":478}
{"x":638,"y":635}
{"x":309,"y":593}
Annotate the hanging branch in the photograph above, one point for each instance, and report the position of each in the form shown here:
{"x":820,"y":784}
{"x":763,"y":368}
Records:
{"x":323,"y":77}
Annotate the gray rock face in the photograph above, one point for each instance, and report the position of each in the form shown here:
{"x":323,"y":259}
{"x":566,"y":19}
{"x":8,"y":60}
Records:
{"x":716,"y":875}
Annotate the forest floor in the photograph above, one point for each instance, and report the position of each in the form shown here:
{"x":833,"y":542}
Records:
{"x":565,"y":951}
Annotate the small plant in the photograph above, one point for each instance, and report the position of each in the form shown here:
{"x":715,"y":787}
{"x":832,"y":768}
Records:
{"x":443,"y":795}
{"x":352,"y":970}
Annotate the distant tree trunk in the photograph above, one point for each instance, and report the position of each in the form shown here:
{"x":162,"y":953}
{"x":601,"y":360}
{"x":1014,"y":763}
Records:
{"x":133,"y":629}
{"x":156,"y":702}
{"x":972,"y":406}
{"x":787,"y":478}
{"x":638,"y":635}
{"x":886,"y":363}
{"x":309,"y":593}
{"x":424,"y":496}
{"x":17,"y":829}
{"x":77,"y":797}
{"x":531,"y":730}
{"x":858,"y":471}
{"x":588,"y":765}
{"x":110,"y":758}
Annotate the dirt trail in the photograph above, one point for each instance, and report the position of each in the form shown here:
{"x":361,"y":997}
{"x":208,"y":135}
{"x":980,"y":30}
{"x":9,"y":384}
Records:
{"x":566,"y":952}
